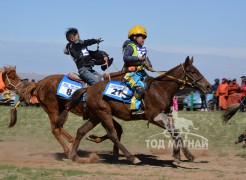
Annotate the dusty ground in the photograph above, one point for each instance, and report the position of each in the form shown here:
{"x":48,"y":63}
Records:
{"x":156,"y":164}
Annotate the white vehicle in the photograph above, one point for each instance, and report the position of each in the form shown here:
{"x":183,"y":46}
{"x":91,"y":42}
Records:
{"x":6,"y":101}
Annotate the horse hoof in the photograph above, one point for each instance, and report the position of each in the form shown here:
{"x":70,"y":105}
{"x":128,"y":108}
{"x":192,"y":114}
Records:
{"x":73,"y":157}
{"x":136,"y":161}
{"x":176,"y":161}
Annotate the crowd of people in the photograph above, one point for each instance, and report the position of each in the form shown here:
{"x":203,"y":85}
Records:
{"x":229,"y":92}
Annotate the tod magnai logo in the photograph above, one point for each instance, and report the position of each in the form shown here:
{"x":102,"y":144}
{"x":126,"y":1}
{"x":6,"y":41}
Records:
{"x":184,"y":126}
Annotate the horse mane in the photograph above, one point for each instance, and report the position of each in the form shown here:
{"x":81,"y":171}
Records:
{"x":27,"y":91}
{"x":119,"y":74}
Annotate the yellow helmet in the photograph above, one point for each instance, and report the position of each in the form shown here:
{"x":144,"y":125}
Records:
{"x":137,"y":30}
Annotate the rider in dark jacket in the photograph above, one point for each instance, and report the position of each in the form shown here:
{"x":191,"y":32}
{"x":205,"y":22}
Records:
{"x":84,"y":58}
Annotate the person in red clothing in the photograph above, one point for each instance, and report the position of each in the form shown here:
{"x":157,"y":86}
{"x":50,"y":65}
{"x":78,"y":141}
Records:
{"x":233,"y":90}
{"x":222,"y":93}
{"x":243,"y":95}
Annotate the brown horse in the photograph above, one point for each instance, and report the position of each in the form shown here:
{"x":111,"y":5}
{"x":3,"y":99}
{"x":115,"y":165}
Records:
{"x":46,"y":92}
{"x":158,"y":100}
{"x":10,"y":78}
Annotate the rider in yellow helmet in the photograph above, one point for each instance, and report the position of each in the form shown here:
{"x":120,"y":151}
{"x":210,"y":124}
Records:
{"x":134,"y":56}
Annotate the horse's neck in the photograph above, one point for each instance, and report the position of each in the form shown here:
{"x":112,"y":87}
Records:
{"x":171,"y":80}
{"x":115,"y":76}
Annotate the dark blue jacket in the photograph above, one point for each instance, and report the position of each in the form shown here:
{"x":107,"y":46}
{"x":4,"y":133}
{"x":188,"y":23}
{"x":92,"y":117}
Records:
{"x":128,"y":51}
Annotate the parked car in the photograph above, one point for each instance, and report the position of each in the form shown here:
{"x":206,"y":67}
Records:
{"x":4,"y":101}
{"x":181,"y":94}
{"x":197,"y":102}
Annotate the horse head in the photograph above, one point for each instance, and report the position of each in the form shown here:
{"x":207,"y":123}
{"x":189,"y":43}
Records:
{"x":193,"y":78}
{"x":10,"y":78}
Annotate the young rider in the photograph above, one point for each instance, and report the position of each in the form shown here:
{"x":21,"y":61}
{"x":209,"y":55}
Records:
{"x":84,"y":58}
{"x":134,"y":56}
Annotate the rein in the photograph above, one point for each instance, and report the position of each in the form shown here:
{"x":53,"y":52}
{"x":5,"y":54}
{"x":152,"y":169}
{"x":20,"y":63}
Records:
{"x":183,"y":81}
{"x":15,"y":86}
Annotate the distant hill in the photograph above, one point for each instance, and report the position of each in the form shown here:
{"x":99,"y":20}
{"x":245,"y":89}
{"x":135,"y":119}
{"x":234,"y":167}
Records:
{"x":31,"y":76}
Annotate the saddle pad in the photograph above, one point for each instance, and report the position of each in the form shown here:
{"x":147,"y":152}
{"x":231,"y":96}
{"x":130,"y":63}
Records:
{"x":67,"y":87}
{"x":118,"y":91}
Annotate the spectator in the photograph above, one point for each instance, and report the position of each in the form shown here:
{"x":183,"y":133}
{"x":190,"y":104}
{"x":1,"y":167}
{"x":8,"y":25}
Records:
{"x":175,"y":103}
{"x":242,"y":95}
{"x":204,"y":103}
{"x":242,"y":81}
{"x":222,"y":93}
{"x":25,"y":81}
{"x":233,"y":89}
{"x":214,"y":90}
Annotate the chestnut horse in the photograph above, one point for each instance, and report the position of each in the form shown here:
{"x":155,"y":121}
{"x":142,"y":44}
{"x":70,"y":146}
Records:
{"x":46,"y":92}
{"x":157,"y":99}
{"x":10,"y":79}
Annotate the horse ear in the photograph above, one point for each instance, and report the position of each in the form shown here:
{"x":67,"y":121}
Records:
{"x":187,"y":61}
{"x":191,"y":60}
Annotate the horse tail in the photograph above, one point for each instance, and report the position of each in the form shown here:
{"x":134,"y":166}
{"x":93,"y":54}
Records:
{"x":230,"y":111}
{"x":13,"y":115}
{"x":75,"y":99}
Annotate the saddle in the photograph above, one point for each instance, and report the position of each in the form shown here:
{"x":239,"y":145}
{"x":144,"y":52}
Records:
{"x":74,"y":77}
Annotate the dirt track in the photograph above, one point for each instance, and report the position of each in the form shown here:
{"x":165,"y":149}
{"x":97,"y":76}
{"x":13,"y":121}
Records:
{"x":156,"y":164}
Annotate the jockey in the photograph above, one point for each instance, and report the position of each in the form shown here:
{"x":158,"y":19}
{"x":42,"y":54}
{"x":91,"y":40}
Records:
{"x":83,"y":58}
{"x":134,"y":56}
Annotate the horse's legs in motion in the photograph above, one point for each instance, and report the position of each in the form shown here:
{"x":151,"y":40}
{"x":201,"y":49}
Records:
{"x":97,"y":139}
{"x":58,"y":132}
{"x":66,"y":135}
{"x":177,"y":144}
{"x":81,"y":132}
{"x":107,"y":122}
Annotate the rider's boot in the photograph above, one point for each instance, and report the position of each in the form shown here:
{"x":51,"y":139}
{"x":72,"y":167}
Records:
{"x":139,"y":95}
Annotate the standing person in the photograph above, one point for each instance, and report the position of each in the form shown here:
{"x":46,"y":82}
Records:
{"x":242,"y":81}
{"x":83,"y":58}
{"x":233,"y":90}
{"x":214,"y":90}
{"x":222,"y":93}
{"x":243,"y":95}
{"x":175,"y":103}
{"x":134,"y":56}
{"x":204,"y":103}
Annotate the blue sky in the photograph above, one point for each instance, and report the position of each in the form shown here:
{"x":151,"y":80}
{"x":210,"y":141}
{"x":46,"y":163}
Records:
{"x":213,"y":31}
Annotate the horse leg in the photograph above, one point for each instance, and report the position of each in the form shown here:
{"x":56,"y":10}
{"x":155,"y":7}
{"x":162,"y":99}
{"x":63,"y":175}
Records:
{"x":107,"y":122}
{"x":100,"y":139}
{"x":97,"y":139}
{"x":81,"y":132}
{"x":57,"y":131}
{"x":68,"y":136}
{"x":119,"y":131}
{"x":177,"y":144}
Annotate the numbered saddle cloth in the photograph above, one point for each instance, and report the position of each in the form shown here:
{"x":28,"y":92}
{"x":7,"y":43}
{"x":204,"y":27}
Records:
{"x":67,"y":87}
{"x":119,"y":91}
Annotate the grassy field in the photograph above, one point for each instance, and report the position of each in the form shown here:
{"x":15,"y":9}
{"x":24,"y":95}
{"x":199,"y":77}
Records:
{"x":30,"y":151}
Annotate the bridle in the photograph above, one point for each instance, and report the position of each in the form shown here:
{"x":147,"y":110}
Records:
{"x":9,"y":82}
{"x":185,"y":80}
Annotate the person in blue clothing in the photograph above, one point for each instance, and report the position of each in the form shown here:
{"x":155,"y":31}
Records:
{"x":135,"y":57}
{"x":84,"y":58}
{"x":214,"y":90}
